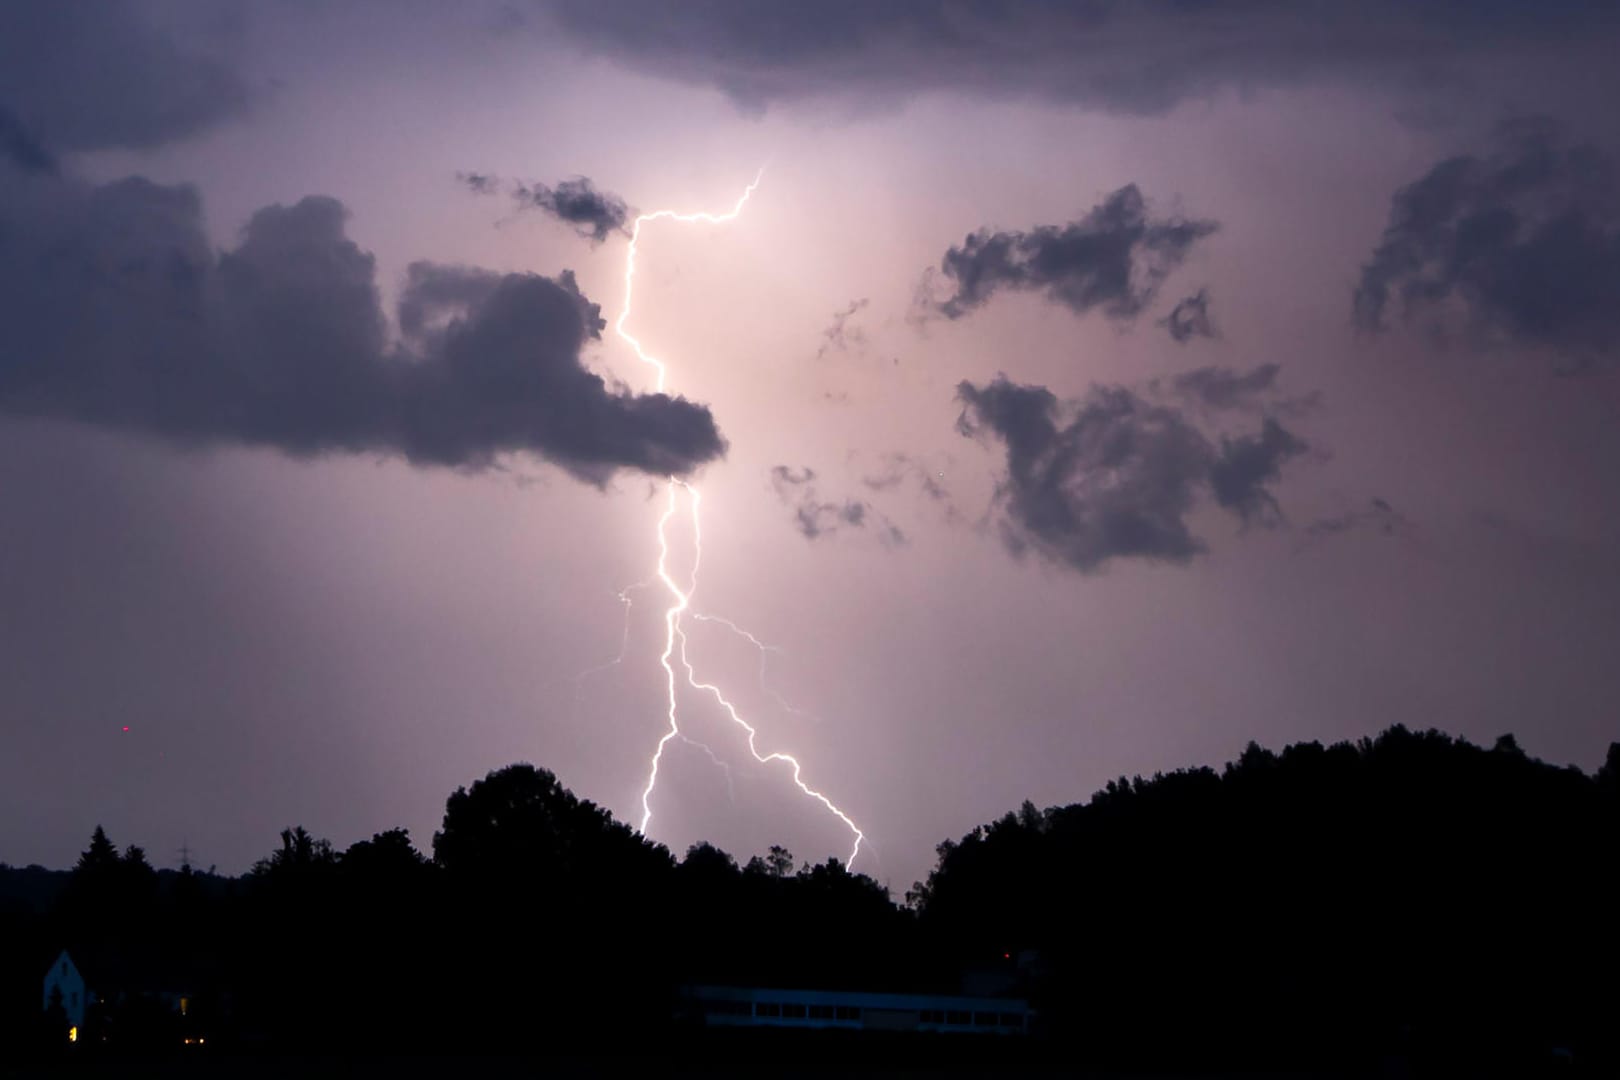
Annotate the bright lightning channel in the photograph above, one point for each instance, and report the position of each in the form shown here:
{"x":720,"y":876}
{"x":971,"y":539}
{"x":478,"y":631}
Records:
{"x":681,"y":598}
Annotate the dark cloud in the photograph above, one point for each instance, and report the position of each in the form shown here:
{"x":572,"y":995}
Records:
{"x":840,"y":336}
{"x":92,"y":75}
{"x":1376,"y":516}
{"x":1246,"y":464}
{"x":1214,"y":390}
{"x":479,"y":183}
{"x":1223,"y":388}
{"x":1114,"y":475}
{"x":593,"y":214}
{"x":21,"y":147}
{"x":1115,"y":258}
{"x":1132,"y":56}
{"x":123,"y":316}
{"x":1526,"y":240}
{"x":1190,"y":318}
{"x":816,"y":518}
{"x":897,"y":467}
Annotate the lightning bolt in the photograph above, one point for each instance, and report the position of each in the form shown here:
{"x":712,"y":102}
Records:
{"x":765,"y":649}
{"x":681,"y":598}
{"x":624,"y":639}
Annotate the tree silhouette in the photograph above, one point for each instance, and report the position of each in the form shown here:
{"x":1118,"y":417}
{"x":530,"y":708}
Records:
{"x":101,"y":857}
{"x":1407,"y":894}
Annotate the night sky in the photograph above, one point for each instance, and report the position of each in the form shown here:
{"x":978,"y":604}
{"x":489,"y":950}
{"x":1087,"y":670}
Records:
{"x":1085,"y":390}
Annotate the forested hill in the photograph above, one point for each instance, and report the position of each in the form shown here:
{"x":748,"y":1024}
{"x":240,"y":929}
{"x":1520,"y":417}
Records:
{"x":1409,"y":895}
{"x":1324,"y":896}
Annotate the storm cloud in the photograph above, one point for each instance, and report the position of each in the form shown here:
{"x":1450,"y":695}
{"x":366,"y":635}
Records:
{"x":593,"y":214}
{"x":1115,"y":475}
{"x":94,"y":76}
{"x":479,"y":183}
{"x":1114,"y":258}
{"x":22,"y":147}
{"x":1246,"y":464}
{"x":123,"y":316}
{"x":1525,"y":240}
{"x":1135,"y":58}
{"x":1223,"y":388}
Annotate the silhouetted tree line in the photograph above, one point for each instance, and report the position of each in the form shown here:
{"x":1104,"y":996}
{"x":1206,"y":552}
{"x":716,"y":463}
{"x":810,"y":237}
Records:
{"x":1407,"y":895}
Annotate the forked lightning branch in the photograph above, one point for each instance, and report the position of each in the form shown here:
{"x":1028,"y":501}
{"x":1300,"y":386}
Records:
{"x":675,"y":651}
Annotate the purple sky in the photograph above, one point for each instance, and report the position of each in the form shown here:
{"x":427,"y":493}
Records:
{"x":327,"y":567}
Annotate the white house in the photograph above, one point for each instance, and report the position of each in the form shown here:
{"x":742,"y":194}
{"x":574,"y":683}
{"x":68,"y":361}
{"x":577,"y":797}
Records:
{"x":63,"y":977}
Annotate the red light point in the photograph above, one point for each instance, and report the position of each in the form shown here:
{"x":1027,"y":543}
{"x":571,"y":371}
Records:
{"x":126,"y":727}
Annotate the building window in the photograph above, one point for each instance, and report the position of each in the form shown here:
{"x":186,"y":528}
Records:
{"x":848,"y":1012}
{"x":1012,"y":1020}
{"x":767,"y":1008}
{"x":793,"y":1012}
{"x":958,"y":1017}
{"x":984,"y":1019}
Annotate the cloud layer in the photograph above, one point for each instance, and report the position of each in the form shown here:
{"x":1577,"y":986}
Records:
{"x":1143,"y":56}
{"x":93,"y":76}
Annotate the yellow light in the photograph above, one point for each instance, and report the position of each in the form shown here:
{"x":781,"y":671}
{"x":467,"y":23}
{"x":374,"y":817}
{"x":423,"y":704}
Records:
{"x":73,"y":1033}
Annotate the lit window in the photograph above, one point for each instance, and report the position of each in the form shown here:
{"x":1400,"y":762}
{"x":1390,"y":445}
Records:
{"x":73,"y":1034}
{"x":185,"y":1005}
